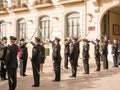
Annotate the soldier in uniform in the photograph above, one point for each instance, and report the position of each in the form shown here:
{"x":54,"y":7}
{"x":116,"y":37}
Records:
{"x":115,"y":52}
{"x":56,"y":56}
{"x":23,"y":57}
{"x":97,"y":53}
{"x":74,"y":54}
{"x":36,"y":57}
{"x":85,"y":56}
{"x":11,"y":63}
{"x":3,"y":58}
{"x":105,"y":53}
{"x":66,"y":53}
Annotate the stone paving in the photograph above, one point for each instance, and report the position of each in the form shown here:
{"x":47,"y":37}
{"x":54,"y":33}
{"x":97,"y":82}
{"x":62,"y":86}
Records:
{"x":104,"y":80}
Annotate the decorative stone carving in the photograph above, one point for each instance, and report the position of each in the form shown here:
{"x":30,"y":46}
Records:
{"x":96,"y":4}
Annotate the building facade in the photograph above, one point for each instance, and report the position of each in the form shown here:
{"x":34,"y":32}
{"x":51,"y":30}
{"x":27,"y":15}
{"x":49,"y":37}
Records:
{"x":60,"y":18}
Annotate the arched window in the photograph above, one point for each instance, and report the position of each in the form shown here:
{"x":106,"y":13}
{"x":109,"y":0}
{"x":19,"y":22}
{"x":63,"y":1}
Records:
{"x":44,"y":24}
{"x":73,"y":25}
{"x":21,"y":28}
{"x":2,"y":29}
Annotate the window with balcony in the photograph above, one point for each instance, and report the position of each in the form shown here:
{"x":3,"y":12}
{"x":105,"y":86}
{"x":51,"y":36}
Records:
{"x":21,"y":28}
{"x":73,"y":25}
{"x":44,"y":24}
{"x":18,"y":3}
{"x":2,"y":29}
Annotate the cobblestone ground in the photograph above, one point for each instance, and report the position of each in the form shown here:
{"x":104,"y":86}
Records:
{"x":104,"y":80}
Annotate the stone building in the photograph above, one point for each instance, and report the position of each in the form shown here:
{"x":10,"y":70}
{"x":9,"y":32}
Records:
{"x":60,"y":18}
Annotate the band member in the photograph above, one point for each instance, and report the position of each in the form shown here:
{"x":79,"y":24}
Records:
{"x":105,"y":53}
{"x":23,"y":57}
{"x":97,"y":53}
{"x":11,"y":63}
{"x":56,"y":56}
{"x":85,"y":56}
{"x":3,"y":58}
{"x":115,"y":52}
{"x":36,"y":57}
{"x":74,"y":54}
{"x":66,"y":52}
{"x":42,"y":57}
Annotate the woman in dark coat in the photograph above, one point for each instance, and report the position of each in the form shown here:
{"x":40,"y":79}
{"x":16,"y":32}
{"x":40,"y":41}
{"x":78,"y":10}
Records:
{"x":119,"y":53}
{"x":43,"y":56}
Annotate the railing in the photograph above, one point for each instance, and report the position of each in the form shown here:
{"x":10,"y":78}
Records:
{"x":69,"y":1}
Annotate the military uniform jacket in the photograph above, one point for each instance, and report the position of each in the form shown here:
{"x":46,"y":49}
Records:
{"x":66,"y":49}
{"x":115,"y":48}
{"x":74,"y":51}
{"x":23,"y":51}
{"x":56,"y":53}
{"x":36,"y":54}
{"x":105,"y":48}
{"x":96,"y":49}
{"x":3,"y":51}
{"x":11,"y":57}
{"x":85,"y":52}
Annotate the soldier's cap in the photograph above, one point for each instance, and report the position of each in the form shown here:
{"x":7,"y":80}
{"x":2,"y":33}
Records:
{"x":58,"y":39}
{"x":85,"y":40}
{"x":97,"y":40}
{"x":22,"y":39}
{"x":74,"y":38}
{"x":13,"y":38}
{"x":4,"y":38}
{"x":38,"y":39}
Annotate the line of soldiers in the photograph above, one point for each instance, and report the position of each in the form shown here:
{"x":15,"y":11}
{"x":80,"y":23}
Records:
{"x":71,"y":53}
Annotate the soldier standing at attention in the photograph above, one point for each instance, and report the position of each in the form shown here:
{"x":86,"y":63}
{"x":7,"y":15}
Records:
{"x":3,"y":58}
{"x":36,"y":57}
{"x":97,"y":53}
{"x":56,"y":56}
{"x":66,"y":52}
{"x":11,"y":63}
{"x":115,"y":52}
{"x":74,"y":54}
{"x":23,"y":57}
{"x":85,"y":56}
{"x":105,"y":53}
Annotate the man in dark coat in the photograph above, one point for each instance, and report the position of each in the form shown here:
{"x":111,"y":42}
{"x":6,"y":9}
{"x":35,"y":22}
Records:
{"x":105,"y":53}
{"x":11,"y":63}
{"x":74,"y":54}
{"x":115,"y":52}
{"x":85,"y":56}
{"x":119,"y":53}
{"x":66,"y":52}
{"x":36,"y":57}
{"x":23,"y":57}
{"x":3,"y":58}
{"x":56,"y":56}
{"x":97,"y":53}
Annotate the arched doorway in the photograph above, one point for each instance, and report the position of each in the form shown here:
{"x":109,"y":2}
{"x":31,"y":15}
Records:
{"x":108,"y":22}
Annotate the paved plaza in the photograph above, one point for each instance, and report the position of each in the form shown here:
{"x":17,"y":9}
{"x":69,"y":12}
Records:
{"x":104,"y":80}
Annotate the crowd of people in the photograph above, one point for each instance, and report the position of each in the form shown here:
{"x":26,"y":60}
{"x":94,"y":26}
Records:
{"x":9,"y":54}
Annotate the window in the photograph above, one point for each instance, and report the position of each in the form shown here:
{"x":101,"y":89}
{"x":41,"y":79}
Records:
{"x":21,"y":25}
{"x":45,"y":27}
{"x":73,"y":25}
{"x":2,"y":29}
